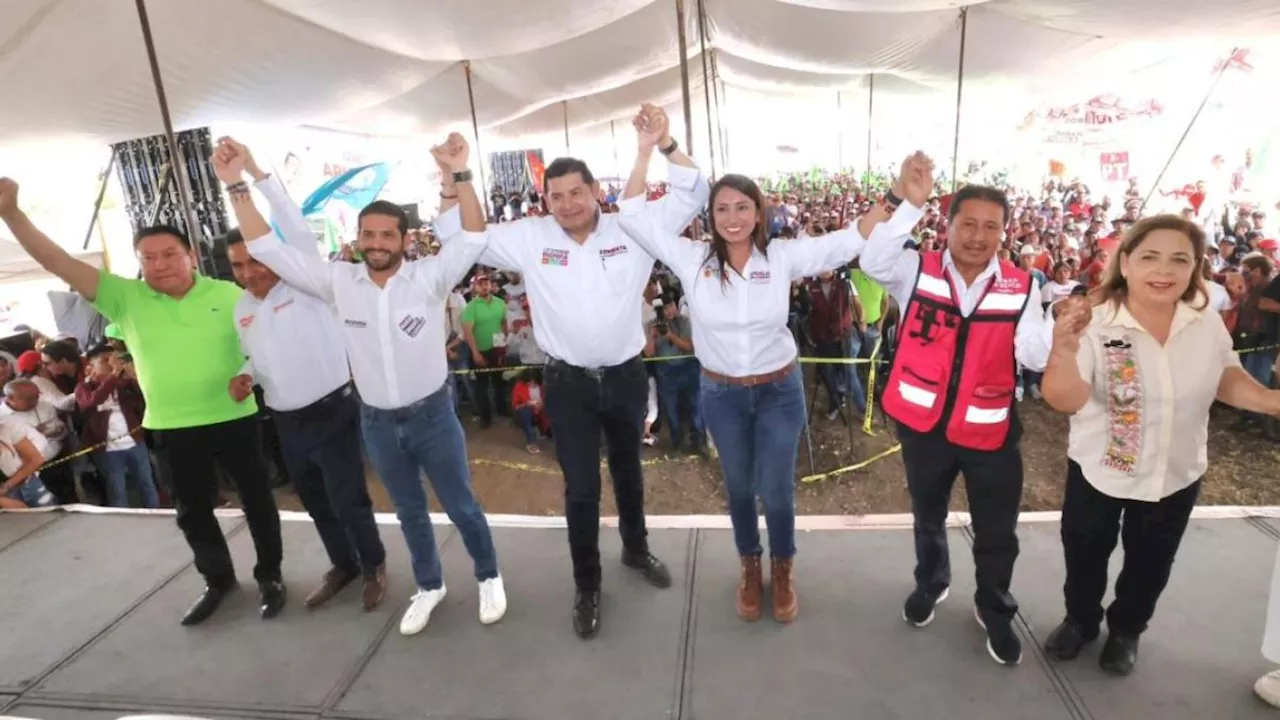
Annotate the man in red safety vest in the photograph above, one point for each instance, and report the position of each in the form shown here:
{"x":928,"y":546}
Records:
{"x":968,"y":321}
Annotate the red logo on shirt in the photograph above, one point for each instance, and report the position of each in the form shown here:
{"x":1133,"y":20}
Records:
{"x":759,"y":276}
{"x":613,"y":251}
{"x":282,"y":305}
{"x":551,"y":256}
{"x":246,"y":321}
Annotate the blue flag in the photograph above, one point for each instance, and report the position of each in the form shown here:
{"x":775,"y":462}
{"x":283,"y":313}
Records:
{"x":356,"y":187}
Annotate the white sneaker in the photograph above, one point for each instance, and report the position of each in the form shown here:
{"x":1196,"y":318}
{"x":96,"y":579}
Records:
{"x":493,"y":600}
{"x":419,"y":612}
{"x":1268,"y":688}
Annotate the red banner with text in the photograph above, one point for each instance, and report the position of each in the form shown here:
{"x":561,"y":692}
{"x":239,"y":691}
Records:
{"x":1115,"y":166}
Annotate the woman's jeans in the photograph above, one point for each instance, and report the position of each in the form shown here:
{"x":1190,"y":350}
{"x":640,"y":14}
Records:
{"x":528,"y":423}
{"x":757,"y":433}
{"x":119,"y":465}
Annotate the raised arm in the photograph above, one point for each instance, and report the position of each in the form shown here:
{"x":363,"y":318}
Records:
{"x":688,"y":191}
{"x":884,"y":259}
{"x":285,"y":213}
{"x":81,"y":276}
{"x":809,"y":255}
{"x":461,"y":252}
{"x":1068,"y":374}
{"x":306,"y":272}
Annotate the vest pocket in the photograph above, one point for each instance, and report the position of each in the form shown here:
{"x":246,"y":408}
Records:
{"x":985,"y":416}
{"x":920,"y":389}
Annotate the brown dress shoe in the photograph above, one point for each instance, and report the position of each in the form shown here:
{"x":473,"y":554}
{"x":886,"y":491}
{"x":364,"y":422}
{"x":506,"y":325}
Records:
{"x":751,"y":589}
{"x":333,"y":582}
{"x":375,"y":588}
{"x":786,"y":605}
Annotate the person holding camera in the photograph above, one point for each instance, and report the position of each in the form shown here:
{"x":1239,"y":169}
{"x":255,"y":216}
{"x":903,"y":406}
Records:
{"x":113,"y":407}
{"x":670,"y":335}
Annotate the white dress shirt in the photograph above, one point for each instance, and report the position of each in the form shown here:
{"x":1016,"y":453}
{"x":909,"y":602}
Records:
{"x":291,"y":338}
{"x":585,"y":297}
{"x":44,"y":420}
{"x":50,"y":393}
{"x":13,"y":432}
{"x":740,"y":325}
{"x":394,"y":334}
{"x":1166,"y":431}
{"x":896,"y":270}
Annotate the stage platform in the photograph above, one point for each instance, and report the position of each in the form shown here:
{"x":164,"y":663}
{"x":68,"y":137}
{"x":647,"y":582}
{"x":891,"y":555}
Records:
{"x":89,"y":631}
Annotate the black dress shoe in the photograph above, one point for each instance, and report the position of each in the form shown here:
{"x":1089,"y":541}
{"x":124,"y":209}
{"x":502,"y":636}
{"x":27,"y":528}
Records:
{"x":653,"y":570}
{"x":1068,"y":639}
{"x":586,"y":613}
{"x":1120,"y":654}
{"x":207,"y":603}
{"x":271,"y":598}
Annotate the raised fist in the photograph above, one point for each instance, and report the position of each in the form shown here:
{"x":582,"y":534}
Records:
{"x":452,"y":155}
{"x":915,"y":179}
{"x":652,"y":127}
{"x":241,"y":150}
{"x":1071,"y":316}
{"x":229,"y":162}
{"x":8,"y":196}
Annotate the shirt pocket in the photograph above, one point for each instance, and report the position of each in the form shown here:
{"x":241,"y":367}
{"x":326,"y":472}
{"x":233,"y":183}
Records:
{"x":409,"y":323}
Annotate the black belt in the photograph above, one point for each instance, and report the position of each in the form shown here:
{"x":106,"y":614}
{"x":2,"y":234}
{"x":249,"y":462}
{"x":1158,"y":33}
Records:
{"x":593,"y":373}
{"x":324,"y":403}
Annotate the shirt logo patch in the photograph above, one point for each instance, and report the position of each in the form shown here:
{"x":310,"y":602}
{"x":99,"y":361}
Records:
{"x":246,"y":321}
{"x":1005,"y":284}
{"x":710,"y":272}
{"x":282,"y":305}
{"x":759,"y":276}
{"x":411,"y":325}
{"x":613,"y":251}
{"x":551,"y":256}
{"x":354,"y":323}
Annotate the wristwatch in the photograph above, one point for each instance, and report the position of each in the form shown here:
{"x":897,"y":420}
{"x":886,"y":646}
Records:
{"x":464,"y":176}
{"x":670,"y":148}
{"x":892,"y":200}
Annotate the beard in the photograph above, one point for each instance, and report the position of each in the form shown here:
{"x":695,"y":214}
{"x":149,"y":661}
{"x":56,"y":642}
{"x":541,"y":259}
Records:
{"x":379,"y":263}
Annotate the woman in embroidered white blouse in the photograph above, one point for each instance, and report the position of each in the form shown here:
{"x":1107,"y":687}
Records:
{"x":738,"y":287}
{"x":1138,"y":364}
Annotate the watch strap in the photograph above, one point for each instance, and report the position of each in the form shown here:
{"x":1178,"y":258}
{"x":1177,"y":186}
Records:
{"x":464,"y":176}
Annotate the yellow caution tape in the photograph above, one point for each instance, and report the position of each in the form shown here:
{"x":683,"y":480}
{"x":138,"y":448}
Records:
{"x":871,"y":388}
{"x":84,"y":451}
{"x":555,"y":471}
{"x":823,"y":476}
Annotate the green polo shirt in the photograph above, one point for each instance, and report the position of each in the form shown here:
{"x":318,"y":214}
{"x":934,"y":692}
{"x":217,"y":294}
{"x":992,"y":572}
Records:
{"x":185,"y":351}
{"x":870,"y":294}
{"x":486,"y":319}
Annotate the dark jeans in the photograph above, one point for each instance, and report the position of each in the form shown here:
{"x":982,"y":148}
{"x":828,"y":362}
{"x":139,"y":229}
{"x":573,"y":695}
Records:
{"x":679,"y":379}
{"x":487,"y":377}
{"x":119,"y":466}
{"x":580,"y":404}
{"x":841,"y":379}
{"x":323,"y":457}
{"x":188,"y":457}
{"x":757,"y":430}
{"x":61,"y":481}
{"x":993,"y":483}
{"x":528,"y":424}
{"x":1151,"y":533}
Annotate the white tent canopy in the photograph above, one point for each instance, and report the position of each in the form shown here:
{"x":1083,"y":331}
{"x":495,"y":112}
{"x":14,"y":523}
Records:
{"x":78,"y":67}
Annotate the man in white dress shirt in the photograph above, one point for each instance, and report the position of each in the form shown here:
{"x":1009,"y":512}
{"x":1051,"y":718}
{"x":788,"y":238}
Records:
{"x":393,"y":325}
{"x":295,"y":352}
{"x":584,"y":278}
{"x":966,"y":318}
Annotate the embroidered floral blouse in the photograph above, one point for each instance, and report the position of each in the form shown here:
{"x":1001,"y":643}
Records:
{"x":1143,"y":434}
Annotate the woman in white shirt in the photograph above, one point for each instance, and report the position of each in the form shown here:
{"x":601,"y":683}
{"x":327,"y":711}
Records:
{"x":1059,"y":286}
{"x":738,"y":288}
{"x":1138,"y":369}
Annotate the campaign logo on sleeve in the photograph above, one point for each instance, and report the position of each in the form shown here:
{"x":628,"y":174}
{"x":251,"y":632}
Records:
{"x":552,"y":256}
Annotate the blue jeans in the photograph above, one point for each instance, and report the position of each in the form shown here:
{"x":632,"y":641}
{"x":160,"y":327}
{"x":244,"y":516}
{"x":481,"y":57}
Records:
{"x":842,"y":379}
{"x":677,"y":379}
{"x":32,"y":493}
{"x":461,"y":382}
{"x":427,"y":437}
{"x":524,"y":418}
{"x":1259,"y":365}
{"x":757,"y":431}
{"x":119,"y":465}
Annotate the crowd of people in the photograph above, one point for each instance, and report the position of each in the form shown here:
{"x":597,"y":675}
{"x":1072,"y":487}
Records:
{"x":1100,"y":302}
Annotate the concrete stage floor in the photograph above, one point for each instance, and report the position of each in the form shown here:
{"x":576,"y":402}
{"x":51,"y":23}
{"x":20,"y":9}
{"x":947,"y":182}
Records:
{"x":89,"y":605}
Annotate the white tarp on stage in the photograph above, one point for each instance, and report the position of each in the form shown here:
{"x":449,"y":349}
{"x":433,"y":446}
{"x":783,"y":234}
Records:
{"x":394,"y":66}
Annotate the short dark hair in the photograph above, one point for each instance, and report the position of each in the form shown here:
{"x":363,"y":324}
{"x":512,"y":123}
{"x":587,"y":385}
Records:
{"x":390,"y":209}
{"x":561,"y":167}
{"x":153,"y":230}
{"x":97,"y":349}
{"x":233,"y":237}
{"x":61,"y":350}
{"x":983,"y":193}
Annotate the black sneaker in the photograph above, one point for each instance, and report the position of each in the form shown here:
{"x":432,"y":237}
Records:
{"x":918,"y":610}
{"x":1068,"y":639}
{"x":653,"y":570}
{"x":1119,"y":654}
{"x":1002,"y":640}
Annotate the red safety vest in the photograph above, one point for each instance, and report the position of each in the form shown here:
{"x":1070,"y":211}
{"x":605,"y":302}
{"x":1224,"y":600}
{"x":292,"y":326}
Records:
{"x":955,"y":368}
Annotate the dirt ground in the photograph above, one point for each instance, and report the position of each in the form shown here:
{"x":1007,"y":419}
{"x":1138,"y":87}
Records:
{"x":509,"y":480}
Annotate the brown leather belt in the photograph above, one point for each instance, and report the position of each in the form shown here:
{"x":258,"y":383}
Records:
{"x":750,"y":380}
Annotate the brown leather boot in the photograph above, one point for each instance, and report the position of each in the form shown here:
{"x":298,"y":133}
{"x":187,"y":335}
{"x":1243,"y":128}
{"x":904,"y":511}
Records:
{"x":333,"y":583}
{"x":751,"y":589}
{"x":786,"y":604}
{"x":375,"y":589}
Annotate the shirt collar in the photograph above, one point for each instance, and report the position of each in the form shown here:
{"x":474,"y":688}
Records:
{"x":1183,"y":315}
{"x":993,"y":267}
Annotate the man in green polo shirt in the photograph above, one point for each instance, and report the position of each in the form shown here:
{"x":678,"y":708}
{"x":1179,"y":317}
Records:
{"x":483,"y":321}
{"x":180,"y":329}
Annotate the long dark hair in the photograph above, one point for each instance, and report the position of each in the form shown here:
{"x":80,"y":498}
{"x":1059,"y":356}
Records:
{"x":759,"y":236}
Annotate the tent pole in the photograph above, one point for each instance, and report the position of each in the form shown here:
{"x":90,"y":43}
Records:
{"x":613,"y":141}
{"x":715,"y":94}
{"x":1213,"y":86}
{"x":684,"y":78}
{"x":839,"y":135}
{"x":871,"y":99}
{"x":175,"y":156}
{"x":706,"y":87}
{"x":564,"y":105}
{"x":475,"y":130}
{"x":955,"y":148}
{"x":97,"y":204}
